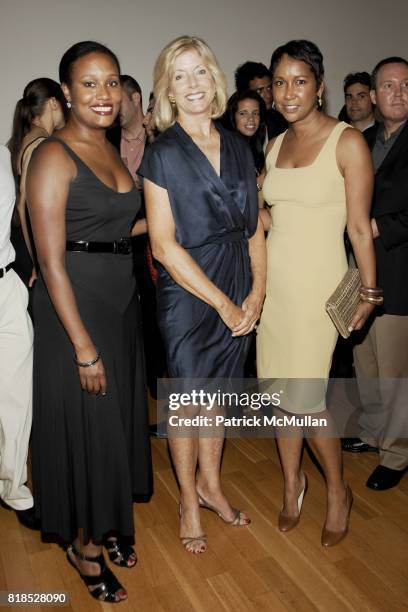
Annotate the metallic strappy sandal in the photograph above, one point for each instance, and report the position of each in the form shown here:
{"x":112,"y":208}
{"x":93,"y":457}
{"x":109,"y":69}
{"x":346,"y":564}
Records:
{"x":186,"y":541}
{"x":234,"y":522}
{"x":106,"y":584}
{"x":119,"y":551}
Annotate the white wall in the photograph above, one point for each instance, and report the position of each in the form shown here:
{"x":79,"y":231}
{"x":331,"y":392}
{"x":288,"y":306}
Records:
{"x":352,"y":34}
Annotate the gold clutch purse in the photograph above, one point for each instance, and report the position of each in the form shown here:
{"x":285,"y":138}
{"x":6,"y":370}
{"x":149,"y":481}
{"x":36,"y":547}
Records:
{"x":342,"y":304}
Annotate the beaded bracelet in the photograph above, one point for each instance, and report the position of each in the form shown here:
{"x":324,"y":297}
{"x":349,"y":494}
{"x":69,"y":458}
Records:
{"x":88,"y":364}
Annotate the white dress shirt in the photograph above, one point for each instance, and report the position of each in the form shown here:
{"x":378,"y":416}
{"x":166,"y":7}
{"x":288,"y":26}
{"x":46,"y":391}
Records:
{"x":7,"y":200}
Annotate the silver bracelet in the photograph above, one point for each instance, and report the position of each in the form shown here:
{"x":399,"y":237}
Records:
{"x":88,"y":364}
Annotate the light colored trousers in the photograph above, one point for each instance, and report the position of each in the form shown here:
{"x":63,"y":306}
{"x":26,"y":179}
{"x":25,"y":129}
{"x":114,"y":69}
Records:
{"x":381,"y":364}
{"x":16,"y":382}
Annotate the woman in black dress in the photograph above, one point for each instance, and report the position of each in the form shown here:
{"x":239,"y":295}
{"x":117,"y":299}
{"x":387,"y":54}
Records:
{"x":201,"y":201}
{"x":246,"y":114}
{"x":38,"y":113}
{"x":90,"y":444}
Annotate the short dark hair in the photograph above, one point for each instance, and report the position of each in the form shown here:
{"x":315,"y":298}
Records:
{"x":247,"y":72}
{"x":357,"y":77}
{"x":304,"y":51}
{"x":80,"y":50}
{"x":384,"y":62}
{"x":130,"y":86}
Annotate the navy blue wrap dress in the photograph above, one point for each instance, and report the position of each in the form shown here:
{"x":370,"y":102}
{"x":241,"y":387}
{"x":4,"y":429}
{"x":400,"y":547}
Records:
{"x":214,"y":217}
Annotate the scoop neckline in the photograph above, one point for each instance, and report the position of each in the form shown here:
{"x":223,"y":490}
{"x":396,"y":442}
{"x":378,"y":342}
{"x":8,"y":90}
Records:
{"x":315,"y":159}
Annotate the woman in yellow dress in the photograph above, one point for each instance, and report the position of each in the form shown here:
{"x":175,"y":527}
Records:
{"x":319,"y":177}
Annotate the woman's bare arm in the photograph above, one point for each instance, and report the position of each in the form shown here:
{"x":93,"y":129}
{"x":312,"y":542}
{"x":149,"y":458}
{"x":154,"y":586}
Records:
{"x":264,"y":212}
{"x":355,"y":162}
{"x":252,"y":305}
{"x":177,"y":261}
{"x":48,"y":181}
{"x":22,"y":205}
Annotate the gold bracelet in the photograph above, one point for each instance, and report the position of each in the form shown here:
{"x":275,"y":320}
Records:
{"x":371,"y":290}
{"x":377,"y":300}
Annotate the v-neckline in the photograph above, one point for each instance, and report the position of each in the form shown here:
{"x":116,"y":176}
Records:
{"x":89,"y":169}
{"x":201,"y":152}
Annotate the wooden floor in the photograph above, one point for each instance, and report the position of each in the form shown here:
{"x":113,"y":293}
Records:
{"x":254,"y":568}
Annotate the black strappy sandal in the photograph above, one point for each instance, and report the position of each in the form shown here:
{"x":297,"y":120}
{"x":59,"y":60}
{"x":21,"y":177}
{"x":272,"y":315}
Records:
{"x":119,"y":551}
{"x":106,"y":584}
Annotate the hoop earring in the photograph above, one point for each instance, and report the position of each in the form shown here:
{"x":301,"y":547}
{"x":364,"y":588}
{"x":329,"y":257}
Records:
{"x":69,"y":104}
{"x":319,"y":102}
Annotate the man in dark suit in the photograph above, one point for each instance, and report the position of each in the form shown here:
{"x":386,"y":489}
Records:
{"x":381,"y":359}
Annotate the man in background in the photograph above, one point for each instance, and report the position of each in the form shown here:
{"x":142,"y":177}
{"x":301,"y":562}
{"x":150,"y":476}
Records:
{"x":130,"y":138}
{"x":381,"y":358}
{"x":16,"y":365}
{"x":359,"y":107}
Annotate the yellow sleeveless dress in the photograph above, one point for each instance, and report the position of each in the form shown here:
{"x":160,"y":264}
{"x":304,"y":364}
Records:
{"x":306,"y":261}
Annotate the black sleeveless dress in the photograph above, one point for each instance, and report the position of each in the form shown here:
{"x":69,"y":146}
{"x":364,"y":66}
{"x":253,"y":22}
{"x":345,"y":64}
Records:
{"x":91,"y":454}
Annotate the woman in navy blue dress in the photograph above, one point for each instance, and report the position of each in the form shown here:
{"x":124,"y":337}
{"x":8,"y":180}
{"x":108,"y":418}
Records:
{"x":201,"y":200}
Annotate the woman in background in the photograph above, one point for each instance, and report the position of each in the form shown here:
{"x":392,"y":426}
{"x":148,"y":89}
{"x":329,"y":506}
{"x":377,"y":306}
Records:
{"x":38,"y":113}
{"x":319,"y":176}
{"x":246,"y":114}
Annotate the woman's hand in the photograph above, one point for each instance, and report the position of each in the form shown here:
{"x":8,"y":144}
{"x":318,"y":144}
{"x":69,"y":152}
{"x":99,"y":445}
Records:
{"x":93,"y":378}
{"x":266,"y":219}
{"x":33,"y":278}
{"x":231,"y":314}
{"x":374,"y":227}
{"x":252,"y":307}
{"x":361,"y":315}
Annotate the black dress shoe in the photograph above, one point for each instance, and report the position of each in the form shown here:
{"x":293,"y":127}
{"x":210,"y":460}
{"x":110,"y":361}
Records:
{"x":384,"y":478}
{"x":356,"y":445}
{"x":25,"y":517}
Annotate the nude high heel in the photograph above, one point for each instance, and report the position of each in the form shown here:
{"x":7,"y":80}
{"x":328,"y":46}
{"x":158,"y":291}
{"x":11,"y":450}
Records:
{"x":331,"y":538}
{"x":287,"y":522}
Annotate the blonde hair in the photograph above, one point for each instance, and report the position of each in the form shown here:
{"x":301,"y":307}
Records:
{"x":165,"y":114}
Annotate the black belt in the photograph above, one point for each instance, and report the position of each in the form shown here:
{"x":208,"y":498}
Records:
{"x":121,"y":247}
{"x":3,"y":271}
